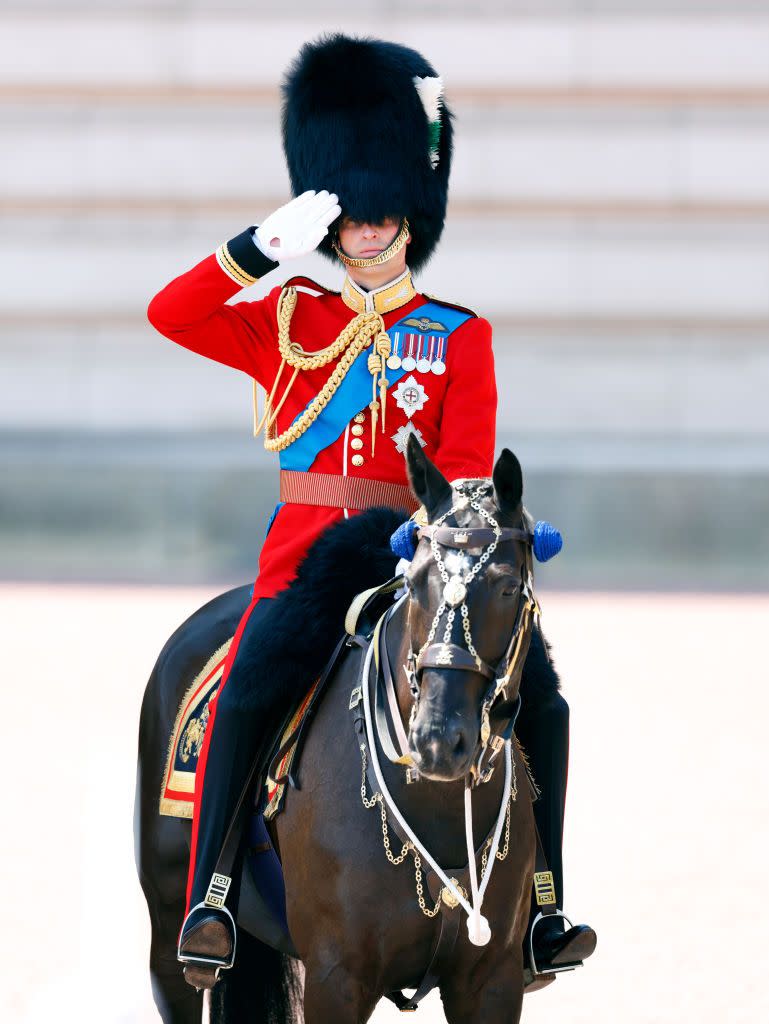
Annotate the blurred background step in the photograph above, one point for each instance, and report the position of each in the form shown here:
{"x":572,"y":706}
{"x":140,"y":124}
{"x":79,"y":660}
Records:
{"x":609,"y":214}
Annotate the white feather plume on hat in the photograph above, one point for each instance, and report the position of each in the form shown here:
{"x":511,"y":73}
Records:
{"x":430,"y":92}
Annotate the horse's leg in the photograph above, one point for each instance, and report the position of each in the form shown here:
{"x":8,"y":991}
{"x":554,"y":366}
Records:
{"x":177,"y":1002}
{"x":333,"y":993}
{"x":162,"y":854}
{"x":499,"y":997}
{"x":163,"y":880}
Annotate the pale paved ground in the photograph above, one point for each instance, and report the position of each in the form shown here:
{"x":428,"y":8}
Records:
{"x":667,"y":826}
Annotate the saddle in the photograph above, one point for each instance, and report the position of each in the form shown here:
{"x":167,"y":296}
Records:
{"x":186,"y":739}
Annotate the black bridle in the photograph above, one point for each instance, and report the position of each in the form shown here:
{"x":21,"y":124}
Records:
{"x":449,"y":655}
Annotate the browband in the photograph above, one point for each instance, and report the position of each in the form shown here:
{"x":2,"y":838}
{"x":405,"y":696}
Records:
{"x":452,"y":656}
{"x":474,"y":537}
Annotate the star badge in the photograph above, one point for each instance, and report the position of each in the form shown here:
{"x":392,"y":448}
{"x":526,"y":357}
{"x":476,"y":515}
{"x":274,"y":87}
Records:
{"x":401,"y":436}
{"x":410,"y":395}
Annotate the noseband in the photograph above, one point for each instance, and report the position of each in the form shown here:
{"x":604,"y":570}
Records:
{"x":457,"y":578}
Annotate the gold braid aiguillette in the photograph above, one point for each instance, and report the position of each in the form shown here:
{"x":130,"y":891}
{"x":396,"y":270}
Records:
{"x":351,"y":341}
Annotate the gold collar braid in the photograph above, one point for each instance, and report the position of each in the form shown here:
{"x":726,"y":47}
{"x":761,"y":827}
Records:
{"x":383,"y":299}
{"x":352,"y":340}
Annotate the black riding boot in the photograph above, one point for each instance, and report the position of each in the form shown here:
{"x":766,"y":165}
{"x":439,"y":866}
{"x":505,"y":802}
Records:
{"x":247,"y":713}
{"x":543,"y":729}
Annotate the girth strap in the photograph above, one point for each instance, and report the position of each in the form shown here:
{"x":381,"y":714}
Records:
{"x":444,"y":947}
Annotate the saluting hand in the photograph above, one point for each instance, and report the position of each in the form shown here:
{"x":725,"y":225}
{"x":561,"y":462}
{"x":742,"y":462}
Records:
{"x":298,"y":227}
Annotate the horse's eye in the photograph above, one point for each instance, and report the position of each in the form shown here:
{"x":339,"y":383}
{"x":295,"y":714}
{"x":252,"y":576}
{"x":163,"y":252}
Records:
{"x":510,"y":588}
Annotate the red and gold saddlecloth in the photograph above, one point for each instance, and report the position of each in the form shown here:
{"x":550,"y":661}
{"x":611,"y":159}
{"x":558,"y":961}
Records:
{"x":177,"y":795}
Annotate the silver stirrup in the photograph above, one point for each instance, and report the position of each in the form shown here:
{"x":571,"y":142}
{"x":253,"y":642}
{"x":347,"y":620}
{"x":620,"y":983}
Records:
{"x":208,"y":961}
{"x":558,"y":968}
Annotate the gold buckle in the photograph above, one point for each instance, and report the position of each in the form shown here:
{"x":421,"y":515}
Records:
{"x":544,"y":888}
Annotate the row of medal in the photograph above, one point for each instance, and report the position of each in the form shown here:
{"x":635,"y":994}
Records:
{"x":417,"y":352}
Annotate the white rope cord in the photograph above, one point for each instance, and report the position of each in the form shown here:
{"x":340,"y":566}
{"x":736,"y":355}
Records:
{"x":478,"y":934}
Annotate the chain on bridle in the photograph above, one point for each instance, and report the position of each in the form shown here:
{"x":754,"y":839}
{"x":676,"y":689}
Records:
{"x":457,"y":575}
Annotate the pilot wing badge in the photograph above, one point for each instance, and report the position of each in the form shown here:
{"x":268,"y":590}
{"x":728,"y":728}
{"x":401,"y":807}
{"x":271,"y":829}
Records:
{"x":424,"y":324}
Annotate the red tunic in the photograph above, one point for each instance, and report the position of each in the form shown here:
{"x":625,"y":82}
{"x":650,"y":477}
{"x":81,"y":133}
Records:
{"x":457,"y":422}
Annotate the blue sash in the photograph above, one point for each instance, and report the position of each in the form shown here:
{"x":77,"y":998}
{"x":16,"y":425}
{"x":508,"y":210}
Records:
{"x":354,"y":393}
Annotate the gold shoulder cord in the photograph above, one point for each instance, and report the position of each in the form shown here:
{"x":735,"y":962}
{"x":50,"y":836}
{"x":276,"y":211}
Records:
{"x":356,"y":336}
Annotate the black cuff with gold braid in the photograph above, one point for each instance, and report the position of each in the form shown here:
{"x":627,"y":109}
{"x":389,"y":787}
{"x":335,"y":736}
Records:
{"x":242,"y":260}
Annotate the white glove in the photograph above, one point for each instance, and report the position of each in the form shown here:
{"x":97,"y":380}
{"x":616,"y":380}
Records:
{"x":298,"y":227}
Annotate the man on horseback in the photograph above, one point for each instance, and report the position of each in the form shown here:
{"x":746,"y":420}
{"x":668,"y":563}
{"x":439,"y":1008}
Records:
{"x":349,"y":376}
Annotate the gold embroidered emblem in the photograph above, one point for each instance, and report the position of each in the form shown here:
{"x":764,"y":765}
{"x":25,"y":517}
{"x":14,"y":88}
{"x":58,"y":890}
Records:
{"x":191,"y":742}
{"x":448,"y":896}
{"x":445,"y":656}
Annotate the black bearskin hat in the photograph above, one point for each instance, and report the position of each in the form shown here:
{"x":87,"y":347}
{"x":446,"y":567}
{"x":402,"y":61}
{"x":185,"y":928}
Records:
{"x":354,"y":123}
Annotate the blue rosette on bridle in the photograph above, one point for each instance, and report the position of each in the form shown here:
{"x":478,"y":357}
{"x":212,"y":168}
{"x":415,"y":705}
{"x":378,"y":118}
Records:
{"x":546,"y":541}
{"x":403,"y":541}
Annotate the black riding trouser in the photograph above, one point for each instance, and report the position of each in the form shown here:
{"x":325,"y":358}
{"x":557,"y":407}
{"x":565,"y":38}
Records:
{"x":543,"y":730}
{"x":239,"y":732}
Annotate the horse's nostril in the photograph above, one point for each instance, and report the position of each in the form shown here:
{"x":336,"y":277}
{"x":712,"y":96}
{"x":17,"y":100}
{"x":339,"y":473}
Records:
{"x":459,"y":743}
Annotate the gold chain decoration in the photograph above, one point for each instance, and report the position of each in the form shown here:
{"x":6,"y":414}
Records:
{"x":501,"y":854}
{"x":375,"y":261}
{"x":351,"y":341}
{"x":407,"y":848}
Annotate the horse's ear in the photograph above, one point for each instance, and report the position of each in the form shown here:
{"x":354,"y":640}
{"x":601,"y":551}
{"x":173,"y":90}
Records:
{"x":508,"y":481}
{"x":427,"y":482}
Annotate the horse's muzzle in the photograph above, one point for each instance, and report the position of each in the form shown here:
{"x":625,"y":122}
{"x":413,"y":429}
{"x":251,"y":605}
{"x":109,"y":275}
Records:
{"x":443,"y":751}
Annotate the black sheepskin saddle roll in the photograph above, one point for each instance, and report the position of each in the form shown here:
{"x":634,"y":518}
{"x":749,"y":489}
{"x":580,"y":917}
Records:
{"x":305,"y":621}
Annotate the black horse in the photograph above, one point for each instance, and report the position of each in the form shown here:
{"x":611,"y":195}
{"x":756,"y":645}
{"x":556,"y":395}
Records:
{"x":364,"y":909}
